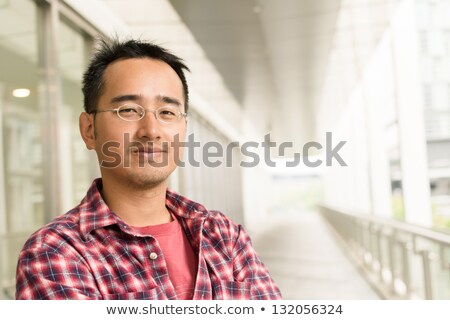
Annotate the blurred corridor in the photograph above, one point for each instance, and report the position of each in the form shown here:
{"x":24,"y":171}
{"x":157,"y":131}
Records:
{"x":332,"y":118}
{"x":308,"y":261}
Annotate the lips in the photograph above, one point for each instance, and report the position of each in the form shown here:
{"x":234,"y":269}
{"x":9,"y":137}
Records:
{"x":140,"y":148}
{"x":148,"y":150}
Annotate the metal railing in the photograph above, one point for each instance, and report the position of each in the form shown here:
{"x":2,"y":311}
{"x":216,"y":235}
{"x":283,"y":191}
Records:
{"x":400,"y":260}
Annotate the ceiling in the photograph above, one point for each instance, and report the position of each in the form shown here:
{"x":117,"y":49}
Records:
{"x":286,"y":62}
{"x":280,"y":56}
{"x":19,"y":45}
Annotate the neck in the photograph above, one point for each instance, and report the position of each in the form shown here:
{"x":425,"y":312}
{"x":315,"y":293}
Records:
{"x":136,"y":207}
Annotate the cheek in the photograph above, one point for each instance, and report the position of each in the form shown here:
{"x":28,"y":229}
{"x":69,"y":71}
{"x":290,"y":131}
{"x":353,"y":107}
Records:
{"x":114,"y":131}
{"x":177,"y":144}
{"x":114,"y":138}
{"x":175,"y":134}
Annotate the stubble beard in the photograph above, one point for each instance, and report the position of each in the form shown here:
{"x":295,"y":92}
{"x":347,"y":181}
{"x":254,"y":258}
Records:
{"x":143,"y":179}
{"x":138,"y":174}
{"x":144,"y":174}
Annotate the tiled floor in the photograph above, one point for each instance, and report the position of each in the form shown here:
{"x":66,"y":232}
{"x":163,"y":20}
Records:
{"x":306,"y":262}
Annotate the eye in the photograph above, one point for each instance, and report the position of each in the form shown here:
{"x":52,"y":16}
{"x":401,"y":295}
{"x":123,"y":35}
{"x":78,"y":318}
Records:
{"x":167,"y":113}
{"x":127,"y":109}
{"x":130,"y":112}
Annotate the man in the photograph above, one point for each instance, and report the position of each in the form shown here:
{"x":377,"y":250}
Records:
{"x":131,"y":237}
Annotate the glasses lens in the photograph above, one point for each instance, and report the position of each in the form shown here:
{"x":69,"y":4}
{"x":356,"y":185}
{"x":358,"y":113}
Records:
{"x":131,"y":112}
{"x":168,"y":114}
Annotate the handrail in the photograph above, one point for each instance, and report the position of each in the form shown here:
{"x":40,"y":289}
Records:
{"x":430,"y":234}
{"x":401,"y":260}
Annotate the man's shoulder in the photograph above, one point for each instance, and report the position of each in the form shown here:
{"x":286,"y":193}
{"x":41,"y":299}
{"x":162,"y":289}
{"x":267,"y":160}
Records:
{"x":214,"y":223}
{"x":63,"y":226}
{"x":220,"y":218}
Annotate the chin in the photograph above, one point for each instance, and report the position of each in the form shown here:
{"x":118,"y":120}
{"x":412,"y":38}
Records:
{"x":146,"y":180}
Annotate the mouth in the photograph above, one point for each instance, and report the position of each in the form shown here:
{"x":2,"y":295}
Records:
{"x":140,"y":151}
{"x":147,"y":150}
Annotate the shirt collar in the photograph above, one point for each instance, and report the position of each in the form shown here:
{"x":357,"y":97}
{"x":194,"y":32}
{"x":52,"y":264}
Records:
{"x":95,"y":213}
{"x":183,"y":207}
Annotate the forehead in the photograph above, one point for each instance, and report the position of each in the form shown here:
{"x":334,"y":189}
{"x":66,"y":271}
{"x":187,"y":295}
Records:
{"x":140,"y":76}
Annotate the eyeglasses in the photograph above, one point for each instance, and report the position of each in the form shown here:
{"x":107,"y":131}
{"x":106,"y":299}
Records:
{"x":135,"y":112}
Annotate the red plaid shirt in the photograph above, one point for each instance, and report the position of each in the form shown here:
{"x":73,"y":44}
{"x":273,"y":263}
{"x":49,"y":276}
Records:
{"x":90,"y":253}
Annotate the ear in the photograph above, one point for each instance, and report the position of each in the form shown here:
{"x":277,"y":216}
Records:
{"x":87,"y":130}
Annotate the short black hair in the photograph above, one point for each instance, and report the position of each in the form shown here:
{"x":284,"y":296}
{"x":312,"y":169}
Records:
{"x":113,"y":50}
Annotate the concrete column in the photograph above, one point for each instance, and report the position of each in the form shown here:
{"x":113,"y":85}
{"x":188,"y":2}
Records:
{"x":416,"y":187}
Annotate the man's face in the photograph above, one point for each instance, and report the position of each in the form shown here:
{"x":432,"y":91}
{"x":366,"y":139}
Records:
{"x":145,"y":148}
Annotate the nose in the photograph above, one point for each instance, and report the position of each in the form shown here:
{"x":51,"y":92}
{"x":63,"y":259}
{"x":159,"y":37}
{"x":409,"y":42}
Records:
{"x":149,"y":127}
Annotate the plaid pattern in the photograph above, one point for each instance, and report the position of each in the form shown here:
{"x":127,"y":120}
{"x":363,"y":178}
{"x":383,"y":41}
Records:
{"x":90,"y":253}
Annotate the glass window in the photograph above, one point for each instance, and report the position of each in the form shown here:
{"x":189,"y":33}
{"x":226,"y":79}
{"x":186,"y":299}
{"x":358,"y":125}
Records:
{"x":73,"y":46}
{"x":25,"y":94}
{"x":21,"y":191}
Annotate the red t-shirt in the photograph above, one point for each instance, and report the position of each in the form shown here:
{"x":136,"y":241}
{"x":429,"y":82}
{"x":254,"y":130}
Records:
{"x":180,"y":258}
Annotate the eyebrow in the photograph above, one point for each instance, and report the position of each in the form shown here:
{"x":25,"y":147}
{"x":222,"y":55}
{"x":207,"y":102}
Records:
{"x":126,"y":97}
{"x":137,"y":97}
{"x":169,"y":100}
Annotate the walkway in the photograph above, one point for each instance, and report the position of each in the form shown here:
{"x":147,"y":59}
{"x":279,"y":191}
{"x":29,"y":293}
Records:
{"x":304,"y":258}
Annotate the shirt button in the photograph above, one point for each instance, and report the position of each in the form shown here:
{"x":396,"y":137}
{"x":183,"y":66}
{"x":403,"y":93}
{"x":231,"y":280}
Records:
{"x":153,"y":255}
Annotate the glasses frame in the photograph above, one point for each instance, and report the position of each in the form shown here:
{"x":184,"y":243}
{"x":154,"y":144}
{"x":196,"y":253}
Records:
{"x":179,"y":116}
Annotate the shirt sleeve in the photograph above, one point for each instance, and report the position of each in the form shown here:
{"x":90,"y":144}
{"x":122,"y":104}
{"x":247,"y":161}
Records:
{"x":249,"y":267}
{"x":47,"y":273}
